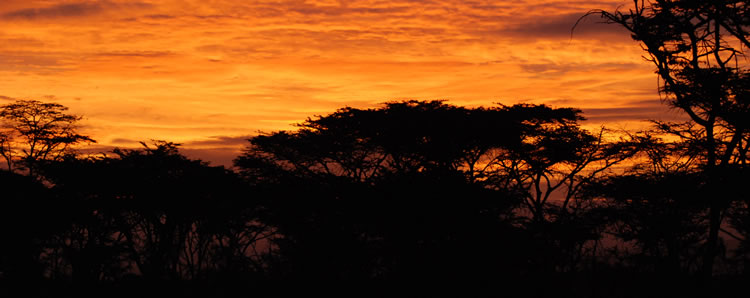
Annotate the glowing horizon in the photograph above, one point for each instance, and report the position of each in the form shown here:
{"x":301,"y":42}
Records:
{"x":210,"y":73}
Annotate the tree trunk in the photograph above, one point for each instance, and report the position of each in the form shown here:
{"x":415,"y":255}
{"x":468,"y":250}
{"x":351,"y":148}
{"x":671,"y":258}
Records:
{"x":712,"y":242}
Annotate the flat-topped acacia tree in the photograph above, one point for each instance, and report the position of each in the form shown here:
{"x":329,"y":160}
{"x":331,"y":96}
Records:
{"x":532,"y":149}
{"x":33,"y":131}
{"x":371,"y":172}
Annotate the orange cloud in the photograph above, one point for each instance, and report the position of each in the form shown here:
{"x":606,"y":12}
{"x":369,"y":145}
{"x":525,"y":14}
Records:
{"x":191,"y":70}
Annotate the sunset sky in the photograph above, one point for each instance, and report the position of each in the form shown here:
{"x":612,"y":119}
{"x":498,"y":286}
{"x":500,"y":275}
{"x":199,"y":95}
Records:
{"x":209,"y":73}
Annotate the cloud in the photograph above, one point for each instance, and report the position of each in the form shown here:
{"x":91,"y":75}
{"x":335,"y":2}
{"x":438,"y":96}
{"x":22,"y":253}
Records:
{"x":638,"y":111}
{"x":561,"y":69}
{"x":159,"y":17}
{"x":150,"y":71}
{"x":142,"y":54}
{"x":3,"y":97}
{"x":219,"y":150}
{"x":220,"y":142}
{"x":215,"y":156}
{"x":61,"y":10}
{"x":32,"y":61}
{"x":338,"y":10}
{"x":69,"y":10}
{"x":123,"y":141}
{"x":562,"y":27}
{"x":19,"y":42}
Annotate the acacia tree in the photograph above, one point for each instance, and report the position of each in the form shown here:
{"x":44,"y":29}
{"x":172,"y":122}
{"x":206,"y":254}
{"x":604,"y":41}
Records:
{"x":152,"y":211}
{"x":392,"y":193}
{"x":550,"y":168}
{"x":697,"y":48}
{"x":655,"y":207}
{"x":522,"y":154}
{"x":33,"y":131}
{"x":557,"y":161}
{"x":534,"y":150}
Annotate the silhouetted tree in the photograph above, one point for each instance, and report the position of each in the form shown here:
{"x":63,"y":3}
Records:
{"x":662,"y":216}
{"x":392,"y":192}
{"x":696,"y":47}
{"x":154,"y":213}
{"x":28,"y":216}
{"x":365,"y":144}
{"x":557,"y":158}
{"x":34,"y":131}
{"x":549,"y":165}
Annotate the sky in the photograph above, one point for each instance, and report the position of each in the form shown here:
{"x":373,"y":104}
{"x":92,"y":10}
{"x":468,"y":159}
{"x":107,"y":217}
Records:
{"x":210,"y":73}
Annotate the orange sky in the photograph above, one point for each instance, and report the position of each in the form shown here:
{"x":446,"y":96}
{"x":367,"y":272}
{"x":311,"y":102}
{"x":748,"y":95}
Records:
{"x":208,"y":73}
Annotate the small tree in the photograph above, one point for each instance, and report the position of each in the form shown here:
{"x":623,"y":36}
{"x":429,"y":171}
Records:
{"x":33,"y":131}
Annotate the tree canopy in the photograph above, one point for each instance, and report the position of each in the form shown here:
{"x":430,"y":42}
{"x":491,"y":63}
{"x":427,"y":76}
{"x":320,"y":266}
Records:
{"x":422,"y":198}
{"x":33,"y":131}
{"x":698,"y":48}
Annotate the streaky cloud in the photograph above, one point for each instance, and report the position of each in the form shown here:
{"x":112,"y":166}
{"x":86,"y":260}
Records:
{"x":220,"y":141}
{"x":69,"y":10}
{"x":145,"y":54}
{"x":564,"y":27}
{"x":636,"y":111}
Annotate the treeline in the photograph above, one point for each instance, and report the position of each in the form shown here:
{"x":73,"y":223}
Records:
{"x":411,"y":199}
{"x":414,"y":198}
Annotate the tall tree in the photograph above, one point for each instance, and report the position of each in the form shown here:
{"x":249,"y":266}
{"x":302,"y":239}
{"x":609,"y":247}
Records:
{"x":697,"y":48}
{"x":34,"y":131}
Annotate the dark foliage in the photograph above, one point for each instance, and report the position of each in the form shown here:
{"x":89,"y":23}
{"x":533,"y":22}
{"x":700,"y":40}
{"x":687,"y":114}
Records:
{"x":697,"y":48}
{"x":411,"y":199}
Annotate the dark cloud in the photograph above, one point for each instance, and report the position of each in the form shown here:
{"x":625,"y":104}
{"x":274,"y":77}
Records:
{"x":96,"y":149}
{"x":212,"y":17}
{"x":220,"y":141}
{"x":150,"y":18}
{"x":3,"y":97}
{"x":218,"y":150}
{"x":61,"y":10}
{"x":338,"y":10}
{"x":159,"y":17}
{"x":558,"y":5}
{"x":215,"y":156}
{"x":69,"y":10}
{"x":297,"y":89}
{"x":19,"y":42}
{"x":640,"y":110}
{"x":553,"y":68}
{"x":121,"y":141}
{"x":143,"y":54}
{"x":39,"y":62}
{"x":561,"y":26}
